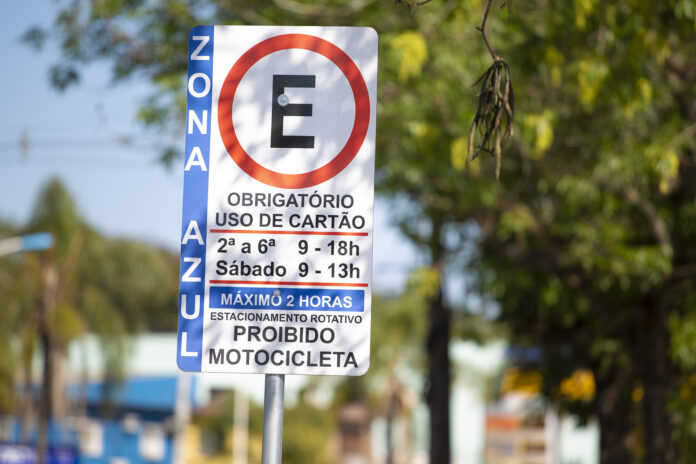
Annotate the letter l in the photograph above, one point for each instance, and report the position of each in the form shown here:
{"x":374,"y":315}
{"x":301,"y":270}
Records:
{"x":184,"y":343}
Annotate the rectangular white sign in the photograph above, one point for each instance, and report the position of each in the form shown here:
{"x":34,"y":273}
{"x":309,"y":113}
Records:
{"x":276,"y":251}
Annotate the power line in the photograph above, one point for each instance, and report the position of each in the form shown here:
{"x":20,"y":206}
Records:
{"x":99,"y":147}
{"x":81,"y":162}
{"x":73,"y":143}
{"x":71,"y":150}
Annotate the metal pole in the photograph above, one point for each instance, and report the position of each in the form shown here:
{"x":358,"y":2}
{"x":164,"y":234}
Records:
{"x":182,"y":415}
{"x":273,"y":419}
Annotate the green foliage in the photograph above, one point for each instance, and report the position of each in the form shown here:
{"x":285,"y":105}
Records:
{"x":590,"y":229}
{"x":136,"y":281}
{"x":307,"y":433}
{"x":55,"y":212}
{"x":683,"y":340}
{"x":107,"y":287}
{"x":18,"y":297}
{"x":410,"y":50}
{"x":307,"y":430}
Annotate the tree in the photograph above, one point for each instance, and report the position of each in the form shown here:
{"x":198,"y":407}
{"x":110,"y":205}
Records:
{"x":603,"y":240}
{"x":85,"y":283}
{"x":17,"y":300}
{"x":584,"y":243}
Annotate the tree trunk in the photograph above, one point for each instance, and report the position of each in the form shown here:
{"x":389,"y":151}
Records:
{"x":438,"y":388}
{"x":613,"y":409}
{"x":27,"y":395}
{"x":391,"y":414}
{"x":437,"y":391}
{"x":45,"y":407}
{"x":45,"y":332}
{"x":657,"y":378}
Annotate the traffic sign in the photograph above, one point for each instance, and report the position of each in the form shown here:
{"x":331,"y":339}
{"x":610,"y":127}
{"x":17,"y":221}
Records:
{"x":276,"y":250}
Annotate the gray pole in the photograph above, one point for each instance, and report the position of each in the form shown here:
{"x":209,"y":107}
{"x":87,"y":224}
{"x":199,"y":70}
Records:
{"x":182,"y":415}
{"x":273,"y":399}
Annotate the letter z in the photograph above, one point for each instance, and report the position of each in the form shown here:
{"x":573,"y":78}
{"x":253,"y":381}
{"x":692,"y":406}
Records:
{"x":187,"y":275}
{"x":204,"y":40}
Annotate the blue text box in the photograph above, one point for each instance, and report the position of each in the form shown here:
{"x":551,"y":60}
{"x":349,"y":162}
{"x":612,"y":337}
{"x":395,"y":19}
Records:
{"x":289,"y":299}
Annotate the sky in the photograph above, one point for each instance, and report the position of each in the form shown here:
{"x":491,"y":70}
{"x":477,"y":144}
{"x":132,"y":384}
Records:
{"x":78,"y":136}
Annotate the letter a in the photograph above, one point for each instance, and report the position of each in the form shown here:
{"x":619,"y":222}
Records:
{"x":193,"y":232}
{"x":196,"y":159}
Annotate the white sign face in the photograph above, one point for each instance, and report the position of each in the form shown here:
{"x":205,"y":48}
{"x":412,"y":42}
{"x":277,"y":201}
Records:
{"x":276,"y":251}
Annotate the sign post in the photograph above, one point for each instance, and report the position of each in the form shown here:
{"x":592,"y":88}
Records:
{"x":276,"y":250}
{"x":274,"y":395}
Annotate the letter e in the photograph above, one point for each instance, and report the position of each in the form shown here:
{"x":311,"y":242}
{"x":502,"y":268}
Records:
{"x":278,"y":140}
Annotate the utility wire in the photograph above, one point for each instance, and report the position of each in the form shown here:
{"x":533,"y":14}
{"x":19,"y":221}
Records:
{"x":70,"y":151}
{"x":26,"y":144}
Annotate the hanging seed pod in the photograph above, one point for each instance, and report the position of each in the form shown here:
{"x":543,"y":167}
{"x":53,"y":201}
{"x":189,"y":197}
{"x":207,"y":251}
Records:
{"x":496,"y":102}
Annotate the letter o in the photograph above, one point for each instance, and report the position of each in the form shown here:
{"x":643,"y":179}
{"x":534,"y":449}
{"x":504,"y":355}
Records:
{"x":257,"y":357}
{"x":329,"y":338}
{"x":230,"y":358}
{"x":206,"y":89}
{"x":273,"y":334}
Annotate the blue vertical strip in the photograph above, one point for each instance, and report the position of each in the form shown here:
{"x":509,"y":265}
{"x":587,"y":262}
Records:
{"x":194,"y":224}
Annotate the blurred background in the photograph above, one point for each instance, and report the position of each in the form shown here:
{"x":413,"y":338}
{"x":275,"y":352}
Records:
{"x":548,"y":316}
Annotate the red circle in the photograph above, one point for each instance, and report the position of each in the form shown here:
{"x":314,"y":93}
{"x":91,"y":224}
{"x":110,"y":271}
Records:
{"x":349,"y":150}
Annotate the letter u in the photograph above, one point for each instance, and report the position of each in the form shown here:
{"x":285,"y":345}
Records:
{"x":196,"y":306}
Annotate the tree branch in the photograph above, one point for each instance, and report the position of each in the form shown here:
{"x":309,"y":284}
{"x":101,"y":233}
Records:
{"x":299,"y":8}
{"x":657,"y":225}
{"x":482,"y":29}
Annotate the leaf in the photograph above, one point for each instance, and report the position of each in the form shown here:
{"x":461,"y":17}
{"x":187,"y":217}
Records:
{"x":412,"y":52}
{"x":35,"y":37}
{"x":591,"y":76}
{"x":63,"y":76}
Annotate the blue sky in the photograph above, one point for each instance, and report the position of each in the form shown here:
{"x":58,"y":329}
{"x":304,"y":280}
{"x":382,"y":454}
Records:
{"x":74,"y":135}
{"x":121,"y":190}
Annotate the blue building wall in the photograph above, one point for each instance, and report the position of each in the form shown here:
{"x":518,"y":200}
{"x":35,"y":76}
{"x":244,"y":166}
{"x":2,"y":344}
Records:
{"x":147,"y":402}
{"x":120,"y":444}
{"x":118,"y":418}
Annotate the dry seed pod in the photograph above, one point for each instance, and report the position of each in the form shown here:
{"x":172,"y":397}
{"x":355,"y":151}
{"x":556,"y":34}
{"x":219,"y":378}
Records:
{"x":496,"y":102}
